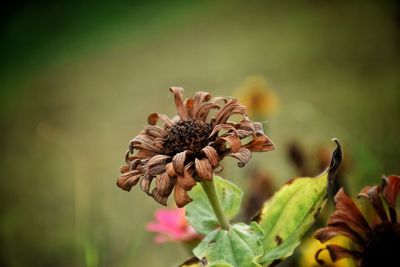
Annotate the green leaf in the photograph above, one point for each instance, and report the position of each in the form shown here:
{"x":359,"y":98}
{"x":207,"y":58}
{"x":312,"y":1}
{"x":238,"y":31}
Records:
{"x":200,"y":213}
{"x":240,"y":246}
{"x":292,"y":210}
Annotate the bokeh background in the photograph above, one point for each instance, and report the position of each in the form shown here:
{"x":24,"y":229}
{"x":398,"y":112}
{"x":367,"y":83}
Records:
{"x":78,"y":80}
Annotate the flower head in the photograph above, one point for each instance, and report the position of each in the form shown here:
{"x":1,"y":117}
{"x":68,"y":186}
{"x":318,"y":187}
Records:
{"x":375,"y":243}
{"x":171,"y":225}
{"x":261,"y":101}
{"x":189,"y":147}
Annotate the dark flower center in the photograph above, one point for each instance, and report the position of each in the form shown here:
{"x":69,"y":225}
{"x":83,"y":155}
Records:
{"x":190,"y":135}
{"x":383,"y":247}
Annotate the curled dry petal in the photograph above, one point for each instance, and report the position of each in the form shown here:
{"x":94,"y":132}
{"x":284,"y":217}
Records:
{"x":178,"y":96}
{"x":156,"y":164}
{"x":165,"y":184}
{"x":170,"y":170}
{"x":145,"y":184}
{"x":204,"y":169}
{"x":348,"y":213}
{"x":199,"y":98}
{"x":243,"y":155}
{"x":233,"y":141}
{"x":186,"y":181}
{"x":373,"y":195}
{"x":127,"y":180}
{"x":155,"y":131}
{"x":232,"y":107}
{"x":221,"y":127}
{"x":212,"y":155}
{"x":154,"y":117}
{"x":159,"y":198}
{"x":204,"y":110}
{"x":143,"y":141}
{"x":327,"y":233}
{"x":260,"y":144}
{"x":391,"y":189}
{"x":178,"y":161}
{"x":181,"y":196}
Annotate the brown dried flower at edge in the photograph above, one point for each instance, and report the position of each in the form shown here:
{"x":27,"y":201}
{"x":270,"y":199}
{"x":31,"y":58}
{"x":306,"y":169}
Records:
{"x":189,"y":147}
{"x":374,"y":243}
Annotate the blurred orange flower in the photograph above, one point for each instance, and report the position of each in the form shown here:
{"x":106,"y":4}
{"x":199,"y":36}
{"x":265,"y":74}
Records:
{"x":259,"y":99}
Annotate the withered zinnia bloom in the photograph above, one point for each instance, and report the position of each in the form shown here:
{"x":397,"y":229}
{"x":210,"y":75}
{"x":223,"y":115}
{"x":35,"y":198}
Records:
{"x":189,"y":147}
{"x":375,"y":243}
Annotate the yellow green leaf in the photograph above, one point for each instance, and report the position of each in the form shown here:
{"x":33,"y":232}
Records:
{"x":286,"y":217}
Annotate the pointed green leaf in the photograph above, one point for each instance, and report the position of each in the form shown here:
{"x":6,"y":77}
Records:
{"x":199,"y":212}
{"x":292,"y":210}
{"x":240,"y":246}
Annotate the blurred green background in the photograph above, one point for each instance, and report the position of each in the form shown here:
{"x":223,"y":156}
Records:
{"x":78,"y":81}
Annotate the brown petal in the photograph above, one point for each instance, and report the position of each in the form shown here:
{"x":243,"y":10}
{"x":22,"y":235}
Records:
{"x":348,"y":213}
{"x":189,"y":107}
{"x":337,"y":253}
{"x":232,"y":107}
{"x":127,"y":180}
{"x":204,"y":169}
{"x":203,"y":111}
{"x":372,"y":194}
{"x":170,"y":170}
{"x":199,"y":98}
{"x":233,"y":141}
{"x":244,"y":133}
{"x":186,"y":181}
{"x":391,"y":190}
{"x":157,"y":197}
{"x":243,"y":155}
{"x":155,"y":131}
{"x":144,"y":154}
{"x":154,"y":117}
{"x":258,"y":128}
{"x":145,"y":184}
{"x":128,"y":157}
{"x":212,"y":155}
{"x":143,"y":141}
{"x":178,"y":96}
{"x":156,"y":164}
{"x":165,"y":184}
{"x":181,"y":196}
{"x":178,"y":162}
{"x":124,"y":169}
{"x":260,"y":144}
{"x":137,"y":164}
{"x":329,"y":232}
{"x":220,"y":127}
{"x":246,"y":124}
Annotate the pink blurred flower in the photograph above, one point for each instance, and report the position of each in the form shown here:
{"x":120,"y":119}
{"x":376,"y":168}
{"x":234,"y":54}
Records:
{"x":171,"y":225}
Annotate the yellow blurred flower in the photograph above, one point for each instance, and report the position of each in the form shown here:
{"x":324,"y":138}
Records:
{"x":261,"y":101}
{"x":311,"y":246}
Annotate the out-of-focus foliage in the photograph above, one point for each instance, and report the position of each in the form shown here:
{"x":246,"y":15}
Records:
{"x":77,"y":81}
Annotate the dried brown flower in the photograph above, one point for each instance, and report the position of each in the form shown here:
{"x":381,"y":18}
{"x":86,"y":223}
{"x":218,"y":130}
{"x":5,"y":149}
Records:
{"x":374,"y":244}
{"x":189,"y":147}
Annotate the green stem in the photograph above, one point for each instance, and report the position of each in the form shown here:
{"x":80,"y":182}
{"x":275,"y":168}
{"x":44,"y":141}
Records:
{"x":209,"y":188}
